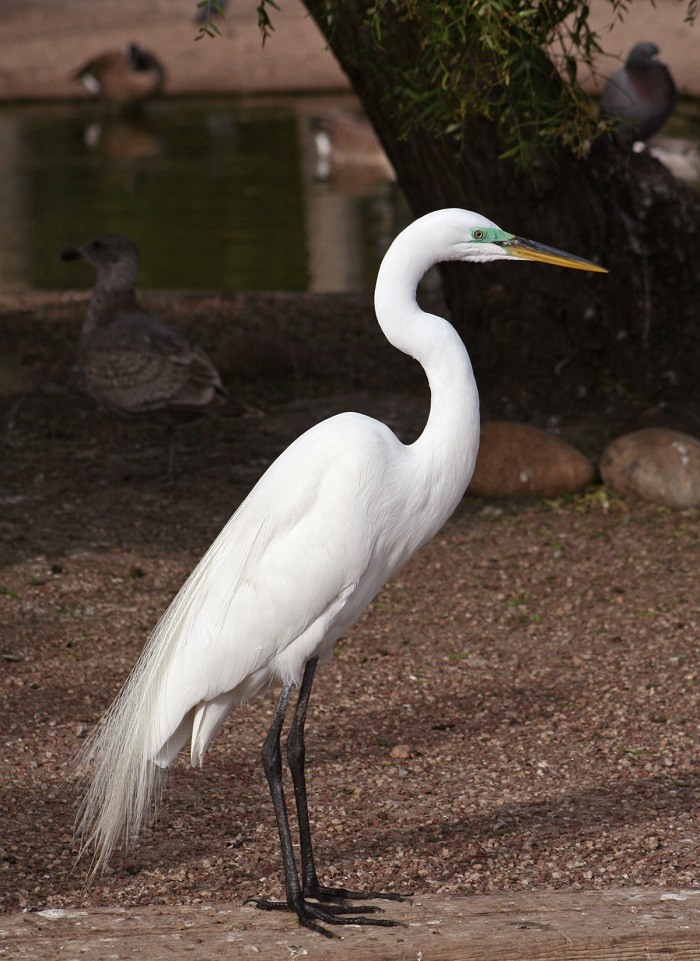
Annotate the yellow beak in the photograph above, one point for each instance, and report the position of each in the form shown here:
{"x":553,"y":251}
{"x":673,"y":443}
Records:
{"x":529,"y":250}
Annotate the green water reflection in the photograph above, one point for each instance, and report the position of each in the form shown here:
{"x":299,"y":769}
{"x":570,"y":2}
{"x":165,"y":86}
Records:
{"x":218,"y":194}
{"x":212,"y":197}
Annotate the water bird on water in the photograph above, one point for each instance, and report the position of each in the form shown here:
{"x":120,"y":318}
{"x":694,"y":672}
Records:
{"x":332,"y":519}
{"x":345,"y":142}
{"x":641,"y":96}
{"x":124,"y":77}
{"x":130,"y":361}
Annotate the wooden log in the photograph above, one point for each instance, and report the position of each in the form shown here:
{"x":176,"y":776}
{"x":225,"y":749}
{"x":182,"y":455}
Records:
{"x":615,"y":925}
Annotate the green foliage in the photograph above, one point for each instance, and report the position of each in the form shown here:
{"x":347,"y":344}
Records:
{"x":264,"y":21}
{"x":208,"y":28}
{"x":511,"y":62}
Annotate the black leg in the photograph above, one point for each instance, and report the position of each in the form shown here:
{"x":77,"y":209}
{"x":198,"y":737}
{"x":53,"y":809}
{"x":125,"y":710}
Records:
{"x":308,"y":914}
{"x":296,"y":756}
{"x":272,"y":764}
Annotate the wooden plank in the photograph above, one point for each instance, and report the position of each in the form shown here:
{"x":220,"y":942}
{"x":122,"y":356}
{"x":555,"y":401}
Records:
{"x":633,"y":924}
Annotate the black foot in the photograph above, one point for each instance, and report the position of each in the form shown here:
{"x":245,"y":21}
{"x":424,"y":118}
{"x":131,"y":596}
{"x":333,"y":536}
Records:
{"x":309,"y":914}
{"x":320,"y":892}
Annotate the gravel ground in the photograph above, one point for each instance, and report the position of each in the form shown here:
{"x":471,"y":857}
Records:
{"x":517,"y":710}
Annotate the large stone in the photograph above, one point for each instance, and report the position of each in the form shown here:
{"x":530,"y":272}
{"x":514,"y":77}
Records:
{"x":516,"y":460}
{"x":658,"y":465}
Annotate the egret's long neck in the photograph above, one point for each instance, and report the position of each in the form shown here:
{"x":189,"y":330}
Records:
{"x":447,"y":447}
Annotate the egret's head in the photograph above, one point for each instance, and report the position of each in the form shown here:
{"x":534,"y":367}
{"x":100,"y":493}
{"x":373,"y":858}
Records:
{"x":466,"y":235}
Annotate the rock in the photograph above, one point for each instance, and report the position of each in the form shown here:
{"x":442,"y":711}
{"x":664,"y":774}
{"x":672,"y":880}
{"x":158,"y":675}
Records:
{"x":516,"y":460}
{"x":656,"y":464}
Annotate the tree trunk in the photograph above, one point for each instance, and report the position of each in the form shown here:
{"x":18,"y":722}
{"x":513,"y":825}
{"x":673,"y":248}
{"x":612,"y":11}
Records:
{"x":544,"y":338}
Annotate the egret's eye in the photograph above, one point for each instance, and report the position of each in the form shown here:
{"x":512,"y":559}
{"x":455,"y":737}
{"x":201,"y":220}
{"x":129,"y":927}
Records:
{"x":478,"y":233}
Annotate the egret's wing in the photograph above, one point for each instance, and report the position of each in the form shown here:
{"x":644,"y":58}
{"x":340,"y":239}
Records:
{"x":281,"y":578}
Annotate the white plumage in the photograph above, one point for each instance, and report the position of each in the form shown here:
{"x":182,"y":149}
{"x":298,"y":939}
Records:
{"x":342,"y":509}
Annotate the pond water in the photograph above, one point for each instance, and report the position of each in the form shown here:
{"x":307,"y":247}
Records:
{"x":219,"y":194}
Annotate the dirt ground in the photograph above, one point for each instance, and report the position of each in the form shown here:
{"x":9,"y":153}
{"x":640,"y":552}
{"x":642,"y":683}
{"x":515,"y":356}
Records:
{"x":517,"y":711}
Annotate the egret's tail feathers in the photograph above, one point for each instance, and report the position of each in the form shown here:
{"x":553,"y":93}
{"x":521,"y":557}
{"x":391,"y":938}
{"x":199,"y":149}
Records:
{"x":123,"y":759}
{"x":208,"y":718}
{"x":148,"y":725}
{"x":176,"y":742}
{"x":122,"y":794}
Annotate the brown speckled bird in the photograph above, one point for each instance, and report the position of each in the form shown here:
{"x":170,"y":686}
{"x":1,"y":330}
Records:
{"x":130,"y":361}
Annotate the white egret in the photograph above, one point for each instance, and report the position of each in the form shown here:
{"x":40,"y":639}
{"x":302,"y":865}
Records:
{"x":339,"y":512}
